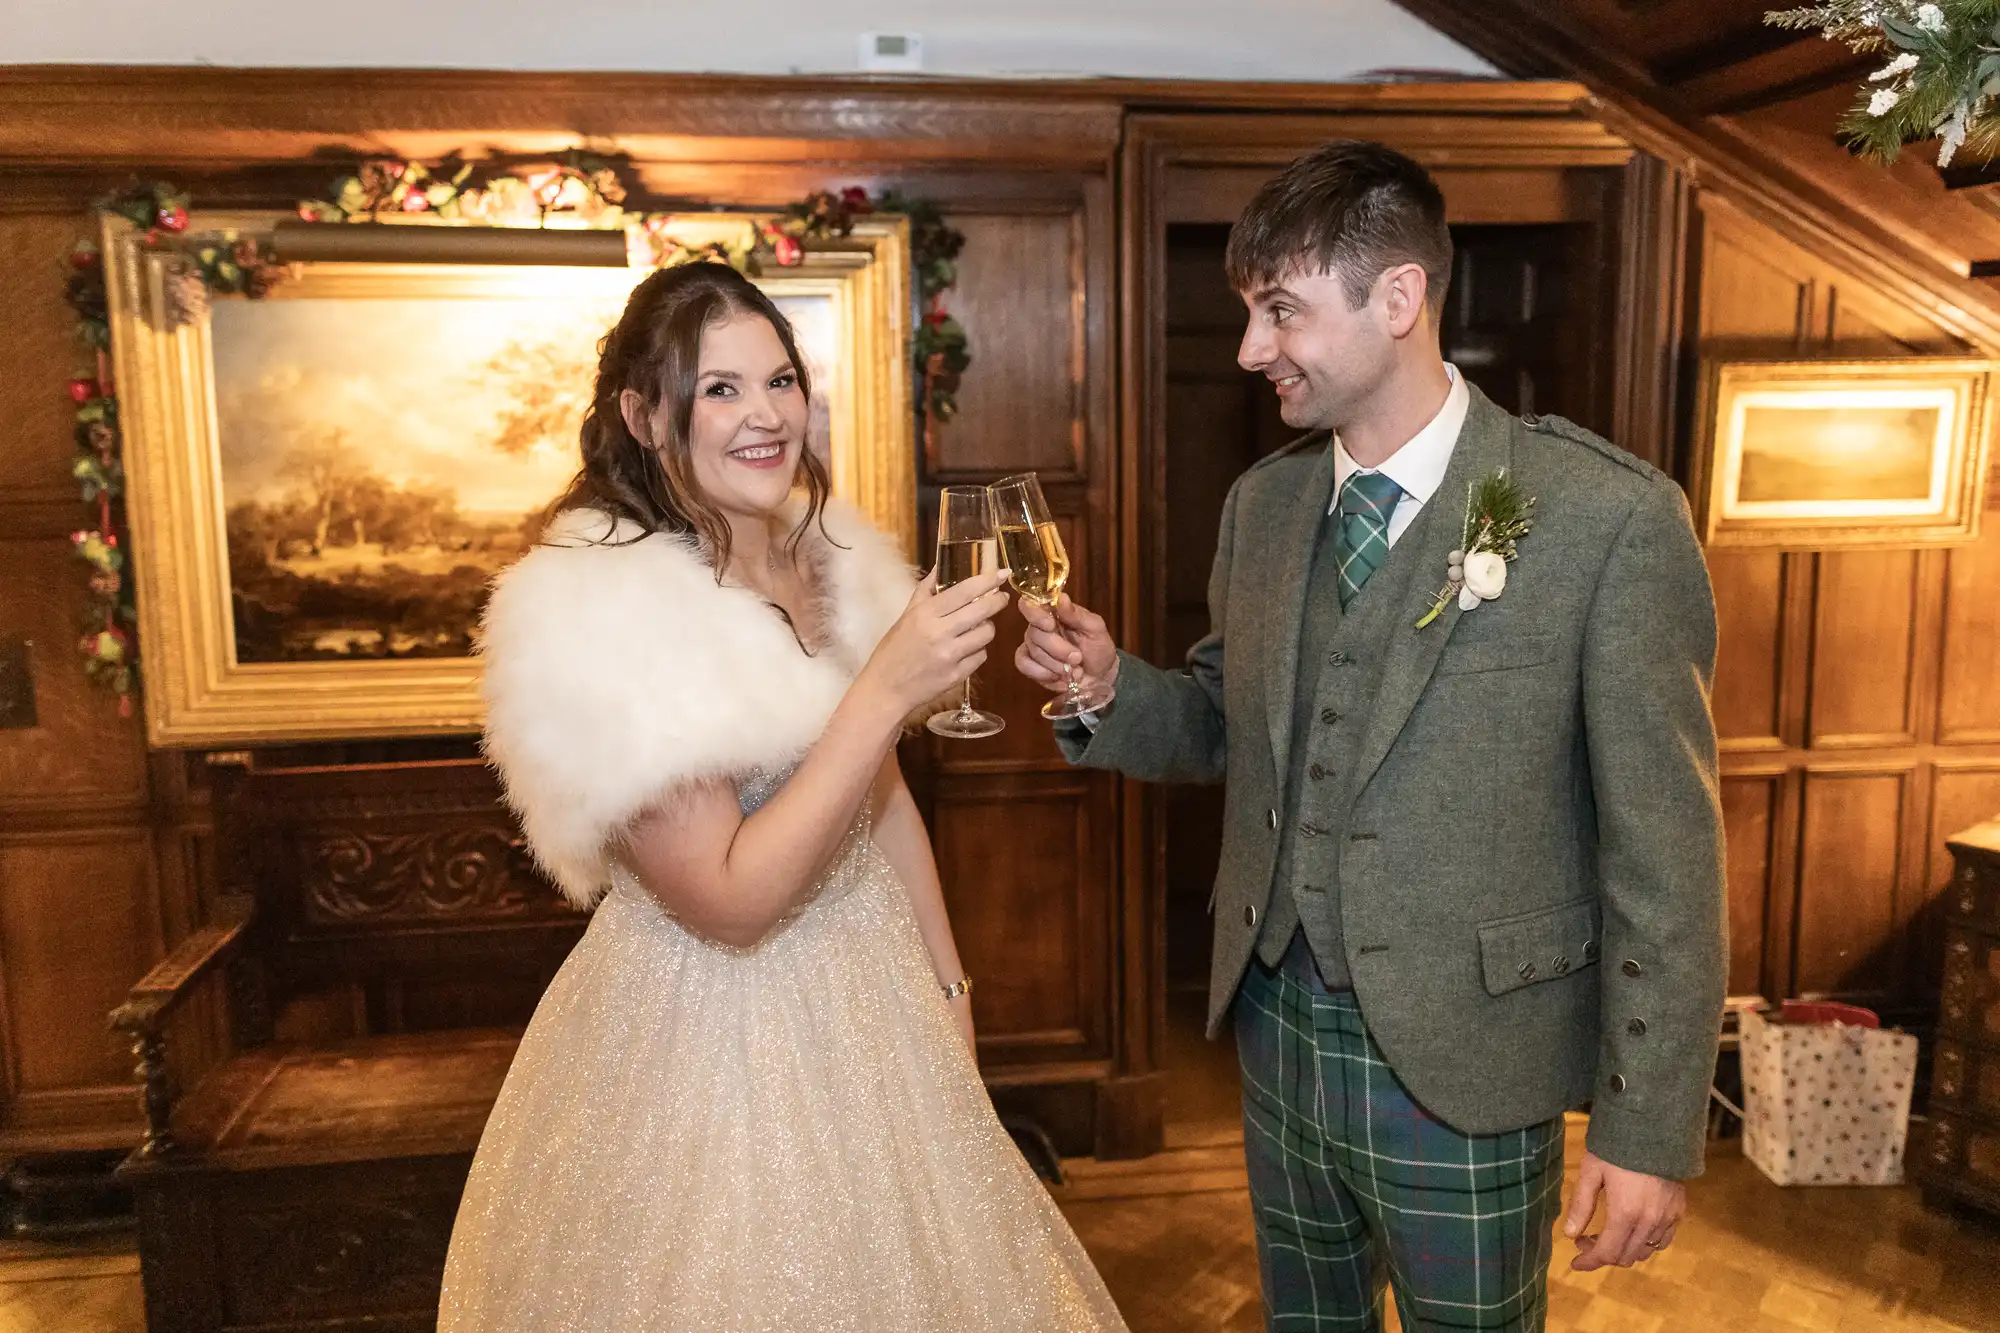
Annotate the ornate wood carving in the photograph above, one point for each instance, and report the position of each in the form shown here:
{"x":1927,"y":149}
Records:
{"x":351,"y":876}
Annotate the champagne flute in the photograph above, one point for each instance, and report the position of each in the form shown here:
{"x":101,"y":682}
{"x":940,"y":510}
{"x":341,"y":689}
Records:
{"x":1034,"y":553}
{"x":965,"y":549}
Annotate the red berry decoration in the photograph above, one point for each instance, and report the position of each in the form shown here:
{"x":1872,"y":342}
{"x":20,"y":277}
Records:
{"x":82,"y":391}
{"x":173,"y":218}
{"x":414,"y":202}
{"x":83,"y":257}
{"x":856,"y":199}
{"x":790,"y":253}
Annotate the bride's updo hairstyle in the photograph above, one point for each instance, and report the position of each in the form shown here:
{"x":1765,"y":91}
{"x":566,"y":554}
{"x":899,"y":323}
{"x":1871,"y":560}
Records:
{"x":655,"y":349}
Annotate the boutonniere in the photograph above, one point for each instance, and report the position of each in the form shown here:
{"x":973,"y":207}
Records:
{"x":1496,"y":516}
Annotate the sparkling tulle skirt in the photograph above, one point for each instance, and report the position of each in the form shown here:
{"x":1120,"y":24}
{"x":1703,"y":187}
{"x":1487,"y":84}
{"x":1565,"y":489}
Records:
{"x":787,"y":1138}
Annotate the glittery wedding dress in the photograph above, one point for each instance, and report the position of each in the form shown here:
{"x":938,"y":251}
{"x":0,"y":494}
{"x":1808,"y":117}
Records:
{"x":791,"y":1137}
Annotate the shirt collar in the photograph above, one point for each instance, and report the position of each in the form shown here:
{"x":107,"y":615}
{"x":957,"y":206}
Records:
{"x":1418,"y":467}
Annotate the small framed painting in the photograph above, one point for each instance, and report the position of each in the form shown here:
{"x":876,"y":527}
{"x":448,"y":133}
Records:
{"x":1811,"y":454}
{"x":324,"y":481}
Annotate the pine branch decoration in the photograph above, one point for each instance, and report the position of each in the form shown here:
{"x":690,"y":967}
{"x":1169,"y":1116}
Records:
{"x":1940,"y":78}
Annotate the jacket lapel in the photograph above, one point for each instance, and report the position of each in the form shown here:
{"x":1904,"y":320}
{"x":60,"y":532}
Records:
{"x":1484,"y":446}
{"x":1297,"y":525}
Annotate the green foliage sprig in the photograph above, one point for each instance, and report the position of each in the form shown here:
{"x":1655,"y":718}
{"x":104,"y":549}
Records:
{"x":1940,"y":74}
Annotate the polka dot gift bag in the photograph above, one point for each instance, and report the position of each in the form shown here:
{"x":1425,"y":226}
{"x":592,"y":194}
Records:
{"x":1826,"y":1101}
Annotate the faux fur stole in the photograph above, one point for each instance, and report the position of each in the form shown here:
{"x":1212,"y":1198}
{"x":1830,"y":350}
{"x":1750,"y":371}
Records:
{"x":617,"y":673}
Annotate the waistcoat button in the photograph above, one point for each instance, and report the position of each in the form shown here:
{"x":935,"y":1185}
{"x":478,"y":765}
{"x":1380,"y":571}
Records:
{"x":1271,"y":818}
{"x":1337,"y":659}
{"x":1317,"y":773}
{"x":1250,"y":916}
{"x":1328,"y":716}
{"x":1630,"y":967}
{"x":1617,"y":1083}
{"x":1637,"y":1027}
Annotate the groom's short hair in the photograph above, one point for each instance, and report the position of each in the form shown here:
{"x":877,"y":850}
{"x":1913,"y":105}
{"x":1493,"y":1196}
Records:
{"x":1349,"y":207}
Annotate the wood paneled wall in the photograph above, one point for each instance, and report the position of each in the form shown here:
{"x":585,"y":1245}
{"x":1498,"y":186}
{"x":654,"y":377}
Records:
{"x":1858,"y":697}
{"x":1860,"y":693}
{"x":106,"y":853}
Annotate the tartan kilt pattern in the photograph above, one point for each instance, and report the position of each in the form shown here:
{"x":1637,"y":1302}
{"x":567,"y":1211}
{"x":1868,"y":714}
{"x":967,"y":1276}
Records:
{"x":1352,"y":1182}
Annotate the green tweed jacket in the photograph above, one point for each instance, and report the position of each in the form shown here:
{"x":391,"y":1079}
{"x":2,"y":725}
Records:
{"x":1531,"y":884}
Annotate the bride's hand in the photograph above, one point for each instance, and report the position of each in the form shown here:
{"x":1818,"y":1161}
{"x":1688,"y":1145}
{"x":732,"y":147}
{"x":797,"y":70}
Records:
{"x":939,"y":641}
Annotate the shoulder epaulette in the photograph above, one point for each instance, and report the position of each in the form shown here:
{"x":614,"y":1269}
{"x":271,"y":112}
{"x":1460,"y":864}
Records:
{"x":1564,"y":428}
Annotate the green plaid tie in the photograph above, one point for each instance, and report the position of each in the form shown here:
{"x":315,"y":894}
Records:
{"x":1361,"y":542}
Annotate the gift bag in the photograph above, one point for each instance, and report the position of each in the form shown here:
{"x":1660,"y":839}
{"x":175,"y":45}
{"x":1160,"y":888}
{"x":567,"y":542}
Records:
{"x":1825,"y":1102}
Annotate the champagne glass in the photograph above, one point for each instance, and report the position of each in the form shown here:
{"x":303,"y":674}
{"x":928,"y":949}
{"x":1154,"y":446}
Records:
{"x":1034,"y":553}
{"x":965,"y":549}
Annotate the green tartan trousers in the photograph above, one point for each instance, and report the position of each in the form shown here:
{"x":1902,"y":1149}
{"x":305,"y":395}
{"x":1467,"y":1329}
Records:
{"x":1351,"y":1181}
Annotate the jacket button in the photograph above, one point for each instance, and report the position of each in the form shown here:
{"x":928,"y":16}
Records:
{"x":1317,"y":773}
{"x":1271,"y":818}
{"x":1250,"y":915}
{"x":1617,"y":1084}
{"x":1630,"y":967}
{"x":1590,"y":951}
{"x":1637,"y":1027}
{"x":1561,"y":965}
{"x":1527,"y":971}
{"x":1329,"y":716}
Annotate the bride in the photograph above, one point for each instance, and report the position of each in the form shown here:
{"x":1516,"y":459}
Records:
{"x":748,"y":1101}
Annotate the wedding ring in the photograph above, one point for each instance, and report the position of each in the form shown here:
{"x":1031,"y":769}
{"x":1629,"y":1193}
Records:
{"x":1652,"y":1245}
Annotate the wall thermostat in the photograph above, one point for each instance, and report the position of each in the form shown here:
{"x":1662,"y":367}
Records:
{"x":892,"y":51}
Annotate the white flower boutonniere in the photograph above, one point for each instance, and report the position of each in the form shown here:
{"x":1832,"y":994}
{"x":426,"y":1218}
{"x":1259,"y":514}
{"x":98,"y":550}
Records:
{"x":1497,"y":515}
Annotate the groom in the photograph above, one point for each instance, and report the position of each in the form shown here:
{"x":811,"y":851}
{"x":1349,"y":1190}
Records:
{"x":1471,"y":867}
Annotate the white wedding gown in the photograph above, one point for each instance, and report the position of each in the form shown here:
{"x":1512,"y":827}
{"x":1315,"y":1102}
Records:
{"x":791,"y":1137}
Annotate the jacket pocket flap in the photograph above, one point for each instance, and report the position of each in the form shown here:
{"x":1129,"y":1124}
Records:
{"x":1497,"y":654}
{"x":1540,"y":946}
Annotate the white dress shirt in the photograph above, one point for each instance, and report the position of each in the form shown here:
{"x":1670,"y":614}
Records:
{"x":1418,"y":467}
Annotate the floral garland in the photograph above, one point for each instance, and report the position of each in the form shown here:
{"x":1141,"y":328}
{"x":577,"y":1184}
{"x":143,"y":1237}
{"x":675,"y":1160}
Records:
{"x":575,"y":190}
{"x":1941,"y":79}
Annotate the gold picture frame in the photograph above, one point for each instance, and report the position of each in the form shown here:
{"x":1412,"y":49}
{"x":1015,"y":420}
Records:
{"x":214,"y":458}
{"x":1880,"y":453}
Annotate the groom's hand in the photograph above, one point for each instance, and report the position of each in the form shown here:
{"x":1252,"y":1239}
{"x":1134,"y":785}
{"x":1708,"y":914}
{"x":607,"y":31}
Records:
{"x":1072,"y":638}
{"x":1640,"y":1214}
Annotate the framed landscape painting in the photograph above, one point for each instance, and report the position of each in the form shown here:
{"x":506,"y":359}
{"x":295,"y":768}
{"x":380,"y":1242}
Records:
{"x":323,"y":481}
{"x":1813,"y":454}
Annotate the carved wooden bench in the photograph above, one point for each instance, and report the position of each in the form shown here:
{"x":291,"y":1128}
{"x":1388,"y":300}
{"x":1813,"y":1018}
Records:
{"x":319,"y":1064}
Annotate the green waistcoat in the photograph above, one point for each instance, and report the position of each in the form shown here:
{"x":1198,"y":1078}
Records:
{"x":1340,"y":668}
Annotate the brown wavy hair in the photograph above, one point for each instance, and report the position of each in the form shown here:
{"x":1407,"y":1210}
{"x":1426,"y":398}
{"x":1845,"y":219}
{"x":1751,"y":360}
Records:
{"x":655,"y":350}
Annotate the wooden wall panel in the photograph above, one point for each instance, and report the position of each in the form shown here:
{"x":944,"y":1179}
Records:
{"x":81,"y":753}
{"x":38,"y":348}
{"x":1861,"y":689}
{"x":1025,"y":902}
{"x":1749,"y":591}
{"x":1850,"y":859}
{"x":1863,"y":671}
{"x":1749,"y":810}
{"x":77,"y":925}
{"x":1969,"y":683}
{"x":1020,"y":292}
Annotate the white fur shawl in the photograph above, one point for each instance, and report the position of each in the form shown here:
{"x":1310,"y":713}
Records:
{"x":616,"y":673}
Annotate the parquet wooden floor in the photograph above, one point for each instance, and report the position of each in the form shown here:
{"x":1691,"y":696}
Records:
{"x":1172,"y":1237}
